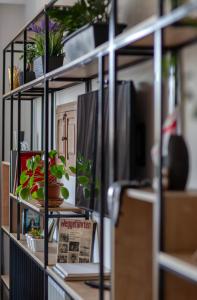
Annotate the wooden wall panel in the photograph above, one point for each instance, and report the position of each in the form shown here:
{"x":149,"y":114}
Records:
{"x":132,"y":260}
{"x":5,"y":171}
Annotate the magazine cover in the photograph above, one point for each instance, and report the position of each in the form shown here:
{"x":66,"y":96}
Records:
{"x":30,"y":220}
{"x":75,"y":241}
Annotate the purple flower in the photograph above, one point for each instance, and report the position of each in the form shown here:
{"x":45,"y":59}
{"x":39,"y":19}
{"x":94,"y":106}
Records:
{"x":53,"y":27}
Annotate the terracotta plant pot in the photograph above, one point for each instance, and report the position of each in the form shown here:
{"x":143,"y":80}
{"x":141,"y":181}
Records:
{"x":54,"y":199}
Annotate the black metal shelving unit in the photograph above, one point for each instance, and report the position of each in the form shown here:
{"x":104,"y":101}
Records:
{"x":133,"y":46}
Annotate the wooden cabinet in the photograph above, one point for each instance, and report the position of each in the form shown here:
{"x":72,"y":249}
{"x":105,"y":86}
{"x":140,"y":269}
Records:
{"x":66,"y":116}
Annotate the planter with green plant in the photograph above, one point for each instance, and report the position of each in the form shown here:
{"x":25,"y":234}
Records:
{"x":30,"y":74}
{"x":35,"y":240}
{"x":32,"y":180}
{"x":86,"y":26}
{"x":37,"y":49}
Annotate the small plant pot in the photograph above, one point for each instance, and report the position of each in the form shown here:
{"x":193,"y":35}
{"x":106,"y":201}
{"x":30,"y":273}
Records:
{"x":37,"y":245}
{"x":87,"y":39}
{"x":30,"y":75}
{"x":28,"y":239}
{"x":54,"y":63}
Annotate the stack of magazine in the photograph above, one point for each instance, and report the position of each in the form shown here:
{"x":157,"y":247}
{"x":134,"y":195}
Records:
{"x":79,"y":271}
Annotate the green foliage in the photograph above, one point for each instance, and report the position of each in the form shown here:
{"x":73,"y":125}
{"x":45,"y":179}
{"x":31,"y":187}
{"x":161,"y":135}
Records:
{"x":85,"y":177}
{"x":35,"y":233}
{"x":32,"y":179}
{"x":81,"y":13}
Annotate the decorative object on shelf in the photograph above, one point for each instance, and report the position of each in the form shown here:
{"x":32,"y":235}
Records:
{"x":32,"y":179}
{"x":37,"y":50}
{"x":30,"y":220}
{"x":30,"y":74}
{"x":16,"y":77}
{"x":175,"y":157}
{"x":85,"y":25}
{"x":35,"y":240}
{"x":75,"y":240}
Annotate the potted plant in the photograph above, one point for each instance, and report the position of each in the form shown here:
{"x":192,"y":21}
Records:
{"x":38,"y":48}
{"x":36,"y":240}
{"x":30,"y":74}
{"x":32,"y":180}
{"x":85,"y":24}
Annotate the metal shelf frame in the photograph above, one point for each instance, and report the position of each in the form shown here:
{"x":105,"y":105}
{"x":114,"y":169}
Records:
{"x":112,"y":49}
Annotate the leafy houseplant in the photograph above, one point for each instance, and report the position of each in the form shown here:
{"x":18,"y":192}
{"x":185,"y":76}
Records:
{"x":30,"y":55}
{"x":37,"y":50}
{"x":85,"y":25}
{"x":32,"y":179}
{"x":80,"y":14}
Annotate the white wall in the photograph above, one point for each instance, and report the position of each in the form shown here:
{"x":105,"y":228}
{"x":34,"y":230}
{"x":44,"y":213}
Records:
{"x":12,"y":17}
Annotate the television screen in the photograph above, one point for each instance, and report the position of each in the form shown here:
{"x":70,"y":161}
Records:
{"x":88,"y":175}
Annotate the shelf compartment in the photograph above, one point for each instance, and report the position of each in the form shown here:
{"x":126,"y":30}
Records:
{"x":183,"y":264}
{"x":38,"y":257}
{"x":78,"y":290}
{"x":6,"y":281}
{"x":65,"y":207}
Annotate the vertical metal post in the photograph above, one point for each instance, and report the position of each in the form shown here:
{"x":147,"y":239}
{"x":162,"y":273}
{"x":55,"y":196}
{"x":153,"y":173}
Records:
{"x":31,"y":124}
{"x":42,"y":123}
{"x":3,"y":106}
{"x":112,"y":93}
{"x":159,"y":213}
{"x":102,"y":155}
{"x":52,"y":119}
{"x":19,"y":162}
{"x":12,"y":67}
{"x":25,"y":55}
{"x":46,"y":149}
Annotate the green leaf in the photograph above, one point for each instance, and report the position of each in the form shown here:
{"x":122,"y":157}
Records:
{"x":83,"y":180}
{"x":52,"y":154}
{"x":18,"y":189}
{"x":23,"y":178}
{"x":29,"y":164}
{"x":40,"y":193}
{"x":37,"y":159}
{"x":66,"y":176}
{"x":25,"y":193}
{"x":62,"y":158}
{"x":73,"y":169}
{"x":86,"y":193}
{"x":31,"y":182}
{"x":64,"y":192}
{"x":53,"y":170}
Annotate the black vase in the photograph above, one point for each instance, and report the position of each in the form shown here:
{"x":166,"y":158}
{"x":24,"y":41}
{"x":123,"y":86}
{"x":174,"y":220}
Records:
{"x":54,"y":63}
{"x":177,"y":163}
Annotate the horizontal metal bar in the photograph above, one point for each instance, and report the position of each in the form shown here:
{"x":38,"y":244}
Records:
{"x":59,"y":216}
{"x":68,"y":79}
{"x":175,"y":265}
{"x":15,"y":51}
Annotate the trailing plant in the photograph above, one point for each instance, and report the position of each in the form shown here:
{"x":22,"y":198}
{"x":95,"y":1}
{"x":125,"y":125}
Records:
{"x":85,"y":178}
{"x":32,"y":179}
{"x":55,"y":40}
{"x":81,"y":13}
{"x":36,"y":233}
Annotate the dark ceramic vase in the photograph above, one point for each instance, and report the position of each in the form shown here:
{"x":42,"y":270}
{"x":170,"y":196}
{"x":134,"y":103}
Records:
{"x":177,"y":163}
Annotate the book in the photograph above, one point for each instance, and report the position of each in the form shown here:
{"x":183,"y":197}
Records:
{"x":24,"y":156}
{"x":79,"y":271}
{"x":30,"y":220}
{"x":75,"y":240}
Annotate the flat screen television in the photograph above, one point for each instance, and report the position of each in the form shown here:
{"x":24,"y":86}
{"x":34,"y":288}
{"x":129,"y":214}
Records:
{"x":88,"y":139}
